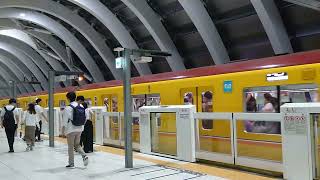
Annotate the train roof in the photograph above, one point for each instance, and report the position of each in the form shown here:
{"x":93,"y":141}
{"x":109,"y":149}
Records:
{"x":301,"y":58}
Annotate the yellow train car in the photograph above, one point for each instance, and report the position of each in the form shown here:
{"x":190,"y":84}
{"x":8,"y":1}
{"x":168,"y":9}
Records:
{"x":223,"y":88}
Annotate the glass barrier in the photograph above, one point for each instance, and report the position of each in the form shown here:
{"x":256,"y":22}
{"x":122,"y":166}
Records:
{"x":111,"y":130}
{"x":259,"y":139}
{"x":164,"y":137}
{"x":216,"y":140}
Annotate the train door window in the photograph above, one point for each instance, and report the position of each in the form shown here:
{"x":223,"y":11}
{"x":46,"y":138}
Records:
{"x":114,"y":108}
{"x":207,"y":106}
{"x":188,"y":98}
{"x":301,"y":93}
{"x":137,"y":102}
{"x":264,"y":100}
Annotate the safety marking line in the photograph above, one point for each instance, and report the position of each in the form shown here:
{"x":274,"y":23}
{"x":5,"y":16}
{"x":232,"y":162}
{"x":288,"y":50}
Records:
{"x":148,"y":172}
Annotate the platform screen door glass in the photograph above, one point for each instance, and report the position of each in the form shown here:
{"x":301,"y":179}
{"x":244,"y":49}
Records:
{"x":163,"y":140}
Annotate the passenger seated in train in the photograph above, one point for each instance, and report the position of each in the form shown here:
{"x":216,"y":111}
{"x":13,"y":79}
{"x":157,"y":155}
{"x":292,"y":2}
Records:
{"x":270,"y":106}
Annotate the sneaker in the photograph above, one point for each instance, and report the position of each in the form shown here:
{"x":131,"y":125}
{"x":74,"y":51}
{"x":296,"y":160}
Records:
{"x":70,"y":166}
{"x":85,"y":160}
{"x":11,"y":151}
{"x":28,"y":149}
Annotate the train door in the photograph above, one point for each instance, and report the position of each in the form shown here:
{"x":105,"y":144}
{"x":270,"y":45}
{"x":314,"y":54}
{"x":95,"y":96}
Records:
{"x":111,"y":123}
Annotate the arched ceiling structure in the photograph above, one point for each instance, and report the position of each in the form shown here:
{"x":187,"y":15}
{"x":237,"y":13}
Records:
{"x":36,"y":35}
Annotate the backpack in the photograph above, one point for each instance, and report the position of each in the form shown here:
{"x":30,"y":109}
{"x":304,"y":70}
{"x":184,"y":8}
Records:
{"x":79,"y":115}
{"x":8,"y":118}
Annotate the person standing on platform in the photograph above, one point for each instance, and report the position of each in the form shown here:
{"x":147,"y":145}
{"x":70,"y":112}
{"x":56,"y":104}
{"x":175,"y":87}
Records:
{"x":31,"y":121}
{"x":87,"y":134}
{"x":41,"y":116}
{"x":10,"y":120}
{"x":74,"y":118}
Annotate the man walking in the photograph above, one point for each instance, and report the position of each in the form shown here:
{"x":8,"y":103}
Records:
{"x":10,"y":121}
{"x":74,"y":118}
{"x":41,"y":116}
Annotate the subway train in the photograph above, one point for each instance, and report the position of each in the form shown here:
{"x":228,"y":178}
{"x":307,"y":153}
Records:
{"x":235,"y":87}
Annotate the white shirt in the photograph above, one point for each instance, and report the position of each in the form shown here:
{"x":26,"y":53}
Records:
{"x":9,"y":108}
{"x":88,"y":114}
{"x":30,"y":119}
{"x":67,"y":117}
{"x":39,"y":111}
{"x":268,"y":108}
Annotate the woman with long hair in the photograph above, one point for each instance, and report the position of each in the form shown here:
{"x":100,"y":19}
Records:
{"x":31,"y":121}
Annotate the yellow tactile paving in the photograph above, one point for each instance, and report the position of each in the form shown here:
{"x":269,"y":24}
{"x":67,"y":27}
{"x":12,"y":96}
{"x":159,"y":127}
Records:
{"x":231,"y":174}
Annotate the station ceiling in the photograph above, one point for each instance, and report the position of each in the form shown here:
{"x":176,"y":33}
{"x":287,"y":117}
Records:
{"x":39,"y":35}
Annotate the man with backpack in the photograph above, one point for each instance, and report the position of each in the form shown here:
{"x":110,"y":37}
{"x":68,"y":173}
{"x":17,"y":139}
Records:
{"x":10,"y":120}
{"x":74,"y":118}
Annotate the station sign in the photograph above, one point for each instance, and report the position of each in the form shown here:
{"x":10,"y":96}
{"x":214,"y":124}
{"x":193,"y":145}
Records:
{"x":295,"y":123}
{"x":119,"y":62}
{"x":227,"y":86}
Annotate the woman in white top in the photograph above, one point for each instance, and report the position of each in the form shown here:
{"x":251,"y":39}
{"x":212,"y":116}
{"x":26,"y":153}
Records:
{"x":31,"y":121}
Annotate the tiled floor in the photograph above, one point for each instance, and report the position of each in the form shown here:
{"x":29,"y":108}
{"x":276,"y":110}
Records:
{"x":46,"y":163}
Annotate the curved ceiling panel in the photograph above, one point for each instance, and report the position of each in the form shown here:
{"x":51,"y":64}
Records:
{"x":58,"y":30}
{"x":16,"y":70}
{"x":63,"y":13}
{"x":27,"y":61}
{"x":152,"y":22}
{"x":100,"y":11}
{"x":27,"y":50}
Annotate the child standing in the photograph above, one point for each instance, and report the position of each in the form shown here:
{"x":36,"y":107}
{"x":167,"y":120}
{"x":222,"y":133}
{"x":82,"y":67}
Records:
{"x":31,"y":122}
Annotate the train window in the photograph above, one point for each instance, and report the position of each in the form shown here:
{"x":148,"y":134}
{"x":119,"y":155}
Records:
{"x":137,"y":102}
{"x":265,"y":100}
{"x":153,"y":100}
{"x":114,"y":101}
{"x":301,"y":93}
{"x":106,"y":103}
{"x":206,"y":101}
{"x":188,"y":98}
{"x":114,"y":108}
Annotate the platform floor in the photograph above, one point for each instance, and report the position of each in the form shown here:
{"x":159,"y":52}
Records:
{"x":46,"y":163}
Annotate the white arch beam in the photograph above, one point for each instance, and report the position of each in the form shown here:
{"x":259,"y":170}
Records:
{"x":313,"y":4}
{"x":58,"y":30}
{"x":76,"y":22}
{"x":100,"y":11}
{"x":4,"y":92}
{"x":152,"y":22}
{"x":12,"y":77}
{"x":8,"y":57}
{"x":23,"y":41}
{"x":272,"y":22}
{"x":27,"y":61}
{"x":18,"y":73}
{"x":27,"y":50}
{"x":47,"y":39}
{"x":207,"y":30}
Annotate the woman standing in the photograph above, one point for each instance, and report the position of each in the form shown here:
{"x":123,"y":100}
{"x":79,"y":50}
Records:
{"x":87,"y":134}
{"x":31,"y":121}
